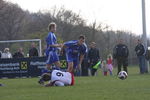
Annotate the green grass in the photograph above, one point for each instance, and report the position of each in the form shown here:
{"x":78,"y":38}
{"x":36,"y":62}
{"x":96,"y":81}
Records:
{"x":135,"y":87}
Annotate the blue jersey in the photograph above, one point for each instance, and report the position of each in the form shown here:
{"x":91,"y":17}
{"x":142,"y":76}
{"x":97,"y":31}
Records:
{"x":74,"y":49}
{"x":51,"y":53}
{"x":51,"y":40}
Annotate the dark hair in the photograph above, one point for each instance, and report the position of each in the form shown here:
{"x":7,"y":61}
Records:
{"x":81,"y":37}
{"x":46,"y":77}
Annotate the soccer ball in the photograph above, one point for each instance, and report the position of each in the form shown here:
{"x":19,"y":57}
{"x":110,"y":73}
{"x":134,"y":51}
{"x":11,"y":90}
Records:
{"x":122,"y":75}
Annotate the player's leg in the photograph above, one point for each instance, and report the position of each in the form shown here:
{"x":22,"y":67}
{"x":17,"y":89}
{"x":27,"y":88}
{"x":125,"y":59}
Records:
{"x":76,"y":67}
{"x":56,"y":60}
{"x":70,"y":67}
{"x":70,"y":62}
{"x":49,"y":60}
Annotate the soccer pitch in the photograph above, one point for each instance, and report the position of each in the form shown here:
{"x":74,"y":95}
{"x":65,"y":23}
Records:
{"x":135,"y":87}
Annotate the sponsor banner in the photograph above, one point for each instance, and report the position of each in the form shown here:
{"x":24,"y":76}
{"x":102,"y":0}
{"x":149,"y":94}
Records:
{"x":23,"y":67}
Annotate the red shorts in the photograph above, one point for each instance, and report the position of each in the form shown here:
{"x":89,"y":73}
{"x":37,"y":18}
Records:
{"x":72,"y":77}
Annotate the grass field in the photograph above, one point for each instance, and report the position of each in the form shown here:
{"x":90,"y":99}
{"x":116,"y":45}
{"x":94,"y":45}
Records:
{"x":135,"y":87}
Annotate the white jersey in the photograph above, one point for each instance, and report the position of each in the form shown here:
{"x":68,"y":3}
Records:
{"x":60,"y":78}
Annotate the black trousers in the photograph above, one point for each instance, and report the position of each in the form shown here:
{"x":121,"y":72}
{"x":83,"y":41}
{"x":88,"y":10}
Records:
{"x":84,"y":67}
{"x":122,"y":62}
{"x":93,"y":71}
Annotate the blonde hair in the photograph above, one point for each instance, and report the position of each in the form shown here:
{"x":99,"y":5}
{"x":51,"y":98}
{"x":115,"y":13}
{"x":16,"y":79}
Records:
{"x":6,"y":49}
{"x":52,"y":24}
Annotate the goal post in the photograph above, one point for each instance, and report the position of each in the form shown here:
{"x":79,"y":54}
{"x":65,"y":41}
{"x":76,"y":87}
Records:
{"x":28,"y":40}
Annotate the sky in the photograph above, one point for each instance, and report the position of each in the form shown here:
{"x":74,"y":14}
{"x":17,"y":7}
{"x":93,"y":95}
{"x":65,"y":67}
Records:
{"x":118,"y":14}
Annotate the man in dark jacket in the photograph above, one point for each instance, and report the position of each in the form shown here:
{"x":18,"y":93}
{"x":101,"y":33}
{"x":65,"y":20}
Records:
{"x":93,"y":57}
{"x":120,"y":53}
{"x":19,"y":53}
{"x":33,"y":52}
{"x":140,"y":52}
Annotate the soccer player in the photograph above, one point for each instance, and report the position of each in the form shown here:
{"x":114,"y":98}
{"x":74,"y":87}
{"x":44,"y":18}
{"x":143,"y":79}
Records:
{"x":52,"y":47}
{"x":75,"y":51}
{"x":58,"y":78}
{"x":51,"y":50}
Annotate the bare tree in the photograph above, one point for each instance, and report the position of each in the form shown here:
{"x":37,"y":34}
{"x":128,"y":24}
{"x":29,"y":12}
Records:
{"x":11,"y":17}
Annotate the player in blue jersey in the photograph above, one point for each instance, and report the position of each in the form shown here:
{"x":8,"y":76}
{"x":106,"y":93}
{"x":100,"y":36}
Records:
{"x":75,"y":51}
{"x":52,"y":47}
{"x":51,"y":50}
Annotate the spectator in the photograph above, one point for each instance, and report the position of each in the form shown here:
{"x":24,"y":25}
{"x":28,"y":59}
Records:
{"x":44,"y":50}
{"x":120,"y":53}
{"x":93,"y":57}
{"x":33,"y":52}
{"x":19,"y":53}
{"x":6,"y":53}
{"x":104,"y":68}
{"x":140,"y":52}
{"x":109,"y":64}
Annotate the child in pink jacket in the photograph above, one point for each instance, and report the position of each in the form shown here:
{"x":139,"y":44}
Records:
{"x":109,"y":65}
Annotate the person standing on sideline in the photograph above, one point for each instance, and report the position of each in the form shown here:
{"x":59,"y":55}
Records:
{"x":19,"y":53}
{"x":109,"y":64}
{"x":121,"y":53}
{"x":93,"y":57}
{"x":140,"y":52}
{"x":33,"y":52}
{"x":104,"y":67}
{"x":52,"y":47}
{"x":6,"y":53}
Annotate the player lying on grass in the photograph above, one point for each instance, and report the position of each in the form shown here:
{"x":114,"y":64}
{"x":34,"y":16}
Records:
{"x":57,"y":78}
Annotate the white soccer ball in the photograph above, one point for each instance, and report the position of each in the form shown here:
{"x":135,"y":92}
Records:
{"x":122,"y":75}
